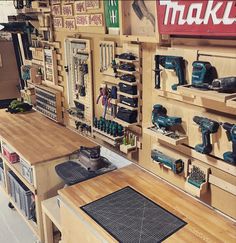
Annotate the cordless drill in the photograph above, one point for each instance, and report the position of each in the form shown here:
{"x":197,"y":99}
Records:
{"x":161,"y":120}
{"x":230,"y":157}
{"x":207,"y":127}
{"x":175,"y":63}
{"x":176,"y":165}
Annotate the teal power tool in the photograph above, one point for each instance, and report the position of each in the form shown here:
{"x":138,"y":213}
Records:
{"x":202,"y":75}
{"x":161,"y":120}
{"x":207,"y":127}
{"x":230,"y":157}
{"x":176,"y":165}
{"x":175,"y":63}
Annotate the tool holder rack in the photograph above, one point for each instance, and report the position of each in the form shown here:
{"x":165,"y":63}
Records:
{"x":48,"y":102}
{"x":77,"y":46}
{"x":184,"y":102}
{"x":194,"y":190}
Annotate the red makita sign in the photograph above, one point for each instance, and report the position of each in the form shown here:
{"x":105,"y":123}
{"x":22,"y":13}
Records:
{"x":205,"y":17}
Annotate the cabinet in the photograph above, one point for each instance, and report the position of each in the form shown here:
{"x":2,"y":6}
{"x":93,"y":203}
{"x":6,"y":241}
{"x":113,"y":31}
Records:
{"x":40,"y":145}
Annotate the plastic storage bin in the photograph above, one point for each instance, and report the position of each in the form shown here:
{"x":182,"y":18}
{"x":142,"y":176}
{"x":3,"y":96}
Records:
{"x":20,"y":194}
{"x":2,"y":179}
{"x":11,"y":156}
{"x":26,"y":171}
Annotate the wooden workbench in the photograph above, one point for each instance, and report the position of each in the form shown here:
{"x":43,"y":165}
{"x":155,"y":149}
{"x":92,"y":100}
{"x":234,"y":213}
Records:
{"x":42,"y":144}
{"x":204,"y":224}
{"x":37,"y":138}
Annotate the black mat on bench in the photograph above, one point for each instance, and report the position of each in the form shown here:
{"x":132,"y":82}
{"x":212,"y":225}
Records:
{"x":130,"y":217}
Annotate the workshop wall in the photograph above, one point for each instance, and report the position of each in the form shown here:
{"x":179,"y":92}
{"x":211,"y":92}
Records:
{"x":78,"y":22}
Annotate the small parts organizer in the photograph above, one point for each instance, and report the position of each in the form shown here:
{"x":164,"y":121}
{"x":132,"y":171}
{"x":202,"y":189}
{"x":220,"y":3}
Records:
{"x":48,"y":102}
{"x":50,"y":66}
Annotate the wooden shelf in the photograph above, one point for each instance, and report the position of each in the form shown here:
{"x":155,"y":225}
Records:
{"x":38,"y":62}
{"x":157,"y":135}
{"x":114,"y":141}
{"x":44,"y":28}
{"x":107,"y":135}
{"x":231,"y":103}
{"x":125,"y":124}
{"x":195,"y":191}
{"x":188,"y":90}
{"x":128,"y":107}
{"x":51,"y":208}
{"x":33,"y":10}
{"x":147,"y":39}
{"x":127,"y":61}
{"x":16,"y":168}
{"x":127,"y":72}
{"x":128,"y":83}
{"x":33,"y":226}
{"x":127,"y":148}
{"x":127,"y":95}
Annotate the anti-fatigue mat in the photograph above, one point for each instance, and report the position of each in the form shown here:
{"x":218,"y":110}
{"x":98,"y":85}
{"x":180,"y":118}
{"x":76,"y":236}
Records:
{"x":131,"y":217}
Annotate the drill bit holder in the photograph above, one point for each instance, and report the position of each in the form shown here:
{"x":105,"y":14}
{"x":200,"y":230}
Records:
{"x":197,"y":182}
{"x":129,"y":143}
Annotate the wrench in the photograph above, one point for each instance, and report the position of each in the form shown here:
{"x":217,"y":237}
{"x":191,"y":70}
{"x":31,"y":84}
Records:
{"x":101,"y":58}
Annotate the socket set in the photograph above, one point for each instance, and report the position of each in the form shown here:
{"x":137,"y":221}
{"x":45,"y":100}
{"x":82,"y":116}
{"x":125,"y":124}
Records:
{"x":48,"y":102}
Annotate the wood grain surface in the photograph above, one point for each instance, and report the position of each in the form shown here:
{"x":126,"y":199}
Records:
{"x":38,"y":139}
{"x":204,"y":224}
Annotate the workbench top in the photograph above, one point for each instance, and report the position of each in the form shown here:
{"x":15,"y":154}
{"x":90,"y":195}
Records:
{"x":203,"y":224}
{"x":38,"y":139}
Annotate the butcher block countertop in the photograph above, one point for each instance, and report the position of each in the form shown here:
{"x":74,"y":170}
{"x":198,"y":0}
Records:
{"x":38,"y":139}
{"x":203,"y":223}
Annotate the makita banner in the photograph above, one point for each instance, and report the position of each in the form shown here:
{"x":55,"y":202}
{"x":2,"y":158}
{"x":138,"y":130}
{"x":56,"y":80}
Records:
{"x":205,"y":17}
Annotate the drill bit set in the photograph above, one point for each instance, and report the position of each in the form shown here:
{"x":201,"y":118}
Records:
{"x":196,"y":177}
{"x":109,"y":127}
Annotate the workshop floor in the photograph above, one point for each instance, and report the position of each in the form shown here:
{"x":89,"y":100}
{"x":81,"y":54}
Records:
{"x":13,"y":228}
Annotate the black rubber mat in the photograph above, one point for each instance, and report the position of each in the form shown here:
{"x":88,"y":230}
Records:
{"x":72,"y":173}
{"x":130,"y":217}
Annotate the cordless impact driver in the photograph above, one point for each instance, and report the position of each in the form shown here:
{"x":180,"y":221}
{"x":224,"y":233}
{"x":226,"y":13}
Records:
{"x":161,"y":120}
{"x":207,"y":127}
{"x":175,"y":63}
{"x":230,"y":157}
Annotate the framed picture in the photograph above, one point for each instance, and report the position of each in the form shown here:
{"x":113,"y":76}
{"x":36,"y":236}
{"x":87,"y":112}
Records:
{"x":56,"y":9}
{"x":69,"y":24}
{"x":67,"y":10}
{"x":58,"y":22}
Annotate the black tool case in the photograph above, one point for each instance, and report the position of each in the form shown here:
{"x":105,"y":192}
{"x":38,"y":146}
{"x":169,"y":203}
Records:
{"x":128,"y":89}
{"x":132,"y":102}
{"x":127,"y":115}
